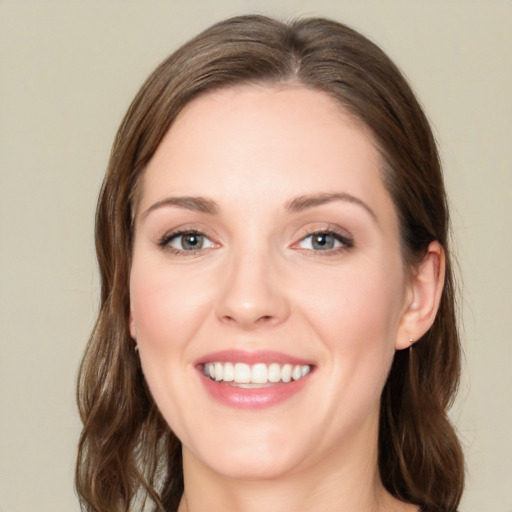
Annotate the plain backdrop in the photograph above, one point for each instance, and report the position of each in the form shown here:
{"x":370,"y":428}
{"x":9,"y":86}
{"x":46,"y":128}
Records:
{"x":68,"y":71}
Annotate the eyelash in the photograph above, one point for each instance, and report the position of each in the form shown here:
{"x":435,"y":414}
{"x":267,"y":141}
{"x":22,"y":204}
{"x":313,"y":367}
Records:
{"x":345,"y":242}
{"x":166,"y":240}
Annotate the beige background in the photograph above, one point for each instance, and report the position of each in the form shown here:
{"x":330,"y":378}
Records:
{"x":67,"y":73}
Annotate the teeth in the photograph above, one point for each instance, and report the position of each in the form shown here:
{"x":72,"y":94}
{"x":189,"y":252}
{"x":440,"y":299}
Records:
{"x":242,"y":373}
{"x":274,"y":372}
{"x":228,"y":374}
{"x":286,"y":373}
{"x":260,"y":373}
{"x":218,"y":371}
{"x":296,"y":373}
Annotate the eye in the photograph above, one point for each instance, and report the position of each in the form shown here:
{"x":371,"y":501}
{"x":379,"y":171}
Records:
{"x":324,"y":241}
{"x":186,"y":241}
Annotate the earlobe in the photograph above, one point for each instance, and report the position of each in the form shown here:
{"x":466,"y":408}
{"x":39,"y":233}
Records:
{"x":426,"y":288}
{"x":131,"y":325}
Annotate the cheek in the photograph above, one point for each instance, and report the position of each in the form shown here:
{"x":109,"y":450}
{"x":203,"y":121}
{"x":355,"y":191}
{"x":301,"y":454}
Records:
{"x":356,"y":315}
{"x":349,"y":302}
{"x":165,"y":309}
{"x":166,"y":313}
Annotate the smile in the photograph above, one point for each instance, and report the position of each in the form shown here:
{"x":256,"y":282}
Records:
{"x":253,"y":380}
{"x":256,"y":375}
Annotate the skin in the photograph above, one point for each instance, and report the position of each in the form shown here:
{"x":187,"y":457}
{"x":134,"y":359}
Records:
{"x":259,"y":284}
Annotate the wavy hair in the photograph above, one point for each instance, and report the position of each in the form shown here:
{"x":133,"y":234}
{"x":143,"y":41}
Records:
{"x":127,"y":454}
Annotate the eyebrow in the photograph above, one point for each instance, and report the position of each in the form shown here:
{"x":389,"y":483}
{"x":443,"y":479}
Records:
{"x":301,"y":203}
{"x":297,"y":204}
{"x":198,"y":204}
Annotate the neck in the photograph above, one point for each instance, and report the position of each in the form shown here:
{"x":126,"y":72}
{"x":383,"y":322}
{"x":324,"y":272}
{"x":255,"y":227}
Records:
{"x":297,"y":492}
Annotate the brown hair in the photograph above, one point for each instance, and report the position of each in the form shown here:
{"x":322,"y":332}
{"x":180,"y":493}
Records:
{"x":127,"y":452}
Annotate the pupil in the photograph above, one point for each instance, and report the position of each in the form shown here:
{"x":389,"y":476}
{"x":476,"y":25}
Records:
{"x":323,"y":241}
{"x":192,"y":241}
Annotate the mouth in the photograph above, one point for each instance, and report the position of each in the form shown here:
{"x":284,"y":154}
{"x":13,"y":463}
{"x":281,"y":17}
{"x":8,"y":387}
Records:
{"x":253,"y":380}
{"x":254,"y":376}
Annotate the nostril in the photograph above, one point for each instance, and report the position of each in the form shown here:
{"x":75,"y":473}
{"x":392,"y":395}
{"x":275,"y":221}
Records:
{"x":254,"y":321}
{"x":266,"y":318}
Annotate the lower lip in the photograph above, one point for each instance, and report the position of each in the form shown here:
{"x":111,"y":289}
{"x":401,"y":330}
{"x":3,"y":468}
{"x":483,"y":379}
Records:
{"x":253,"y":398}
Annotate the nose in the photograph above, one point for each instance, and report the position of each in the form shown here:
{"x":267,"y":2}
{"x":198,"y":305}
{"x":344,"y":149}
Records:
{"x":252,"y":294}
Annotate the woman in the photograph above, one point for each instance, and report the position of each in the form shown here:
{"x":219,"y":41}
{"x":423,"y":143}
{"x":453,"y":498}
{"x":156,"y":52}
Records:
{"x":272,"y":241}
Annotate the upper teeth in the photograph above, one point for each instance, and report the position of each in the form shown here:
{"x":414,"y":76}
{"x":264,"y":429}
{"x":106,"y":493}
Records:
{"x":259,"y":373}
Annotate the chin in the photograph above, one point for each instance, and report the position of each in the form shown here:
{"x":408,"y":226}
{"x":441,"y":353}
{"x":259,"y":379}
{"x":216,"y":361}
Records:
{"x":247,"y":453}
{"x":248,"y":463}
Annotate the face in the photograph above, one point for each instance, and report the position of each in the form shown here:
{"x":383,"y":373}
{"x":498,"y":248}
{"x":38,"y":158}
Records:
{"x":267,"y":257}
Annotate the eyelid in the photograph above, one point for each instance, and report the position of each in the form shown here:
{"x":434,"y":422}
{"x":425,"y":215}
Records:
{"x":346,"y":240}
{"x":164,"y":242}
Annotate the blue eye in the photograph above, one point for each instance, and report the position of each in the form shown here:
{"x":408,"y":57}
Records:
{"x":186,"y":241}
{"x":324,"y":241}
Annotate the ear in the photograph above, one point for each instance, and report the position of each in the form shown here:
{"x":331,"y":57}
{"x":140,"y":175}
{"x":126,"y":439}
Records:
{"x":131,"y":325}
{"x":424,"y":295}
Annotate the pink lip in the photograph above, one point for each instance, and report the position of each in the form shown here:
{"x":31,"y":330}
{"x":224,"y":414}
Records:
{"x":248,"y":357}
{"x":255,"y":398}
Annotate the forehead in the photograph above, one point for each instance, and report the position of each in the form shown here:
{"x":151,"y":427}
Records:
{"x":265,"y":142}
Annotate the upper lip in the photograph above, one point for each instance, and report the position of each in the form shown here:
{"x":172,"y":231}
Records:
{"x":251,"y":357}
